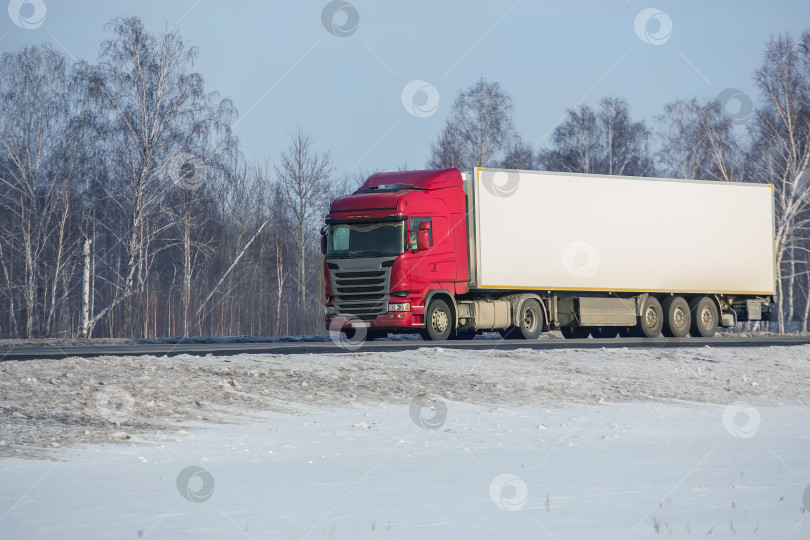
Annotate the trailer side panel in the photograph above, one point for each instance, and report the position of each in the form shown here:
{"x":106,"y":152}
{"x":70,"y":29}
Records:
{"x":553,"y":231}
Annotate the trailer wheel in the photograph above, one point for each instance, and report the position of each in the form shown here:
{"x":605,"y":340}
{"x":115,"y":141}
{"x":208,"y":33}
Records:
{"x":438,"y":321}
{"x":652,"y":318}
{"x":605,"y":332}
{"x":575,"y":332}
{"x":677,"y":317}
{"x":704,"y":317}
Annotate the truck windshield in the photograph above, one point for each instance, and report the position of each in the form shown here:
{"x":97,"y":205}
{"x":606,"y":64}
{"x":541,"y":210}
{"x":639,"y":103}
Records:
{"x":365,"y":239}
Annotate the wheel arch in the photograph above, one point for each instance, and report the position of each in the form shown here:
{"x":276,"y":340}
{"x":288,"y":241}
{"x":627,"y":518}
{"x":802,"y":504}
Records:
{"x":449,"y":297}
{"x":517,"y":301}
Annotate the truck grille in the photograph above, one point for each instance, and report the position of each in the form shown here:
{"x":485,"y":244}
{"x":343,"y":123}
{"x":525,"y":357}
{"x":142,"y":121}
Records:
{"x":361,"y":286}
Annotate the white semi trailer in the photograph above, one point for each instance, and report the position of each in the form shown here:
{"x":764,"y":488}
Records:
{"x":526,"y":251}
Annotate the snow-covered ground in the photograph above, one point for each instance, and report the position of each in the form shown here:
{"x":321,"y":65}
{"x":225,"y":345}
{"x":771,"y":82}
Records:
{"x":432,"y":443}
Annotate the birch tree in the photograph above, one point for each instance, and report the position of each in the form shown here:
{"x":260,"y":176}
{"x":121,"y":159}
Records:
{"x":303,"y":176}
{"x":606,"y":141}
{"x":697,"y":141}
{"x":519,"y":155}
{"x":780,"y":153}
{"x":35,"y":197}
{"x":479,"y":127}
{"x":149,"y":110}
{"x":445,"y":151}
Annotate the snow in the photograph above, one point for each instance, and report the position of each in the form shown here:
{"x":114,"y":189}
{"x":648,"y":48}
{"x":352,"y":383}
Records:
{"x":435,"y":444}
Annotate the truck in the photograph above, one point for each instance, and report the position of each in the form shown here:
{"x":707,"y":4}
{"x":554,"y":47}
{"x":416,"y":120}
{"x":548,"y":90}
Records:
{"x":451,"y":254}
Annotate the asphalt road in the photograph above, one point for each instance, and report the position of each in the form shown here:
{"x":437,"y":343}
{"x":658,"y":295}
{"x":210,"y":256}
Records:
{"x":309,"y":347}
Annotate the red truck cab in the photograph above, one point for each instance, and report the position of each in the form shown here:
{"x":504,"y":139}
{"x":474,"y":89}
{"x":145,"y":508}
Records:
{"x":398,"y":240}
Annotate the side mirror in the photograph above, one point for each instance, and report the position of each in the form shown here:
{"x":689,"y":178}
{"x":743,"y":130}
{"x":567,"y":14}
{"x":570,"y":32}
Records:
{"x":424,"y":226}
{"x":422,"y":238}
{"x":323,"y":243}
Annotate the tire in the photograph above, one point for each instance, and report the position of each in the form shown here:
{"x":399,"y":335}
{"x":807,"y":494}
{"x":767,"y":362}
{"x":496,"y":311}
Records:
{"x":438,"y":321}
{"x":463,"y":336}
{"x":677,"y":317}
{"x":530,"y":320}
{"x":575,"y":332}
{"x":704,"y":317}
{"x":605,"y":332}
{"x":652,"y":318}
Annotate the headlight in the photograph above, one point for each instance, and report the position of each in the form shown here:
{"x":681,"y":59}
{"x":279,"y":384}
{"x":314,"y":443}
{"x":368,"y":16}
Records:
{"x":330,"y":310}
{"x":399,"y":307}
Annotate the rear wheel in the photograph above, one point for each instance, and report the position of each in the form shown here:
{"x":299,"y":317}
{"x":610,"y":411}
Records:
{"x":438,"y":321}
{"x":530,"y":320}
{"x":605,"y":332}
{"x":677,"y":317}
{"x":575,"y":332}
{"x":704,"y":317}
{"x":652,"y":318}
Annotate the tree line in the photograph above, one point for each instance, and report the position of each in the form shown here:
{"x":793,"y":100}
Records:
{"x":127,"y":209}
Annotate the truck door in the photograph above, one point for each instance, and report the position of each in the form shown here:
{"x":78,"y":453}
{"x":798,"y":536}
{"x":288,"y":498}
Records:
{"x":435,"y":264}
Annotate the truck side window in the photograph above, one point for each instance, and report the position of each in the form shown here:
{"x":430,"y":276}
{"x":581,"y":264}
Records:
{"x":415,"y":221}
{"x":340,"y":238}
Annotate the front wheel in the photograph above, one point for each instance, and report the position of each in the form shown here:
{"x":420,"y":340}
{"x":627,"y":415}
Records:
{"x":438,"y":321}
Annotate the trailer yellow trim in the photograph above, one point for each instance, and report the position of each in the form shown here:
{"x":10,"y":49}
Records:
{"x":505,"y":287}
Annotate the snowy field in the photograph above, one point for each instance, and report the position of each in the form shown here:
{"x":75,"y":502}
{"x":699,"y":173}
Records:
{"x":431,"y":443}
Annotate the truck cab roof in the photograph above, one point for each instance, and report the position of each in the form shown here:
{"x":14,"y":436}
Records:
{"x":443,"y":178}
{"x":385,"y":195}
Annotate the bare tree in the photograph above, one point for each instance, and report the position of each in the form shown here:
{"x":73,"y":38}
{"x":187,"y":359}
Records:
{"x":303,"y":176}
{"x":150,"y":111}
{"x":280,"y":267}
{"x":478,"y":128}
{"x":445,"y":151}
{"x":519,"y":155}
{"x":35,"y":196}
{"x":781,"y":152}
{"x":603,"y":142}
{"x":697,"y":140}
{"x":98,"y":236}
{"x":575,"y":143}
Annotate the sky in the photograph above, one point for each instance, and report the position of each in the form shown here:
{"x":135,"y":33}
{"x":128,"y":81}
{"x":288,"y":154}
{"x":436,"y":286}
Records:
{"x":373,"y":81}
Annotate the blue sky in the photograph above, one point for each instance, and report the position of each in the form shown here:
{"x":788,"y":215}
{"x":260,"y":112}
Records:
{"x":283,"y":69}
